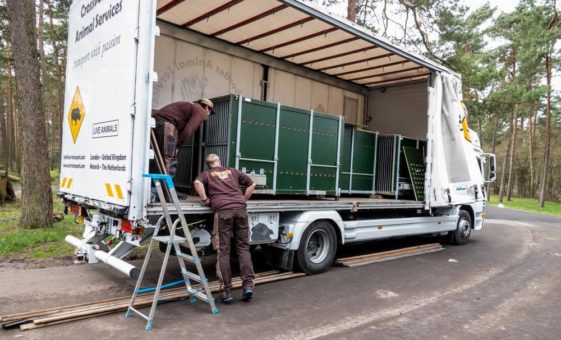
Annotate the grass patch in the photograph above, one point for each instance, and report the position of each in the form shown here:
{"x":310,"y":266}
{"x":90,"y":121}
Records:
{"x":55,"y":175}
{"x":529,"y":204}
{"x":40,"y":243}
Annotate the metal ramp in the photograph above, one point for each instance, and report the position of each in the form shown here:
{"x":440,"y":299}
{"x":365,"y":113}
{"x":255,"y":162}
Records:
{"x":172,"y":241}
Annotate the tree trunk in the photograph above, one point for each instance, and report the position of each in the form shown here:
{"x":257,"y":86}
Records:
{"x":12,"y":120}
{"x":547,"y":133}
{"x":4,"y":133}
{"x":57,"y":112}
{"x":493,"y":148}
{"x":514,"y":128}
{"x":44,"y":73}
{"x":37,"y":200}
{"x":41,"y":43}
{"x":351,"y":10}
{"x":533,"y":118}
{"x":495,"y":128}
{"x":479,"y":129}
{"x":5,"y":144}
{"x":503,"y":174}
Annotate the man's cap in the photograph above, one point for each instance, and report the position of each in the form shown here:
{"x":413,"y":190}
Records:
{"x":209,"y":103}
{"x":212,"y":158}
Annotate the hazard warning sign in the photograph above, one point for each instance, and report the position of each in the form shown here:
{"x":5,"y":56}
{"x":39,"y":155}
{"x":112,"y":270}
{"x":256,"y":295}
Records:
{"x":76,"y":114}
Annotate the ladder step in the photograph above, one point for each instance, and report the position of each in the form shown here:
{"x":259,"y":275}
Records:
{"x":166,"y":239}
{"x":193,"y":276}
{"x":189,"y":258}
{"x":136,"y":311}
{"x":199,"y":295}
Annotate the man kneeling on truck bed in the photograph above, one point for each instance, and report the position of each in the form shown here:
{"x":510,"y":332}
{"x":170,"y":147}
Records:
{"x":175,"y":124}
{"x":229,"y":204}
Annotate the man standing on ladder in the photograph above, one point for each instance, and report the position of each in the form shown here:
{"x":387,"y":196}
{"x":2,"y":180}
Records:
{"x":175,"y":124}
{"x":229,"y":204}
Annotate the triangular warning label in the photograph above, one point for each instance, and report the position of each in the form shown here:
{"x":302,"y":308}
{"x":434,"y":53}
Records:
{"x":76,"y":114}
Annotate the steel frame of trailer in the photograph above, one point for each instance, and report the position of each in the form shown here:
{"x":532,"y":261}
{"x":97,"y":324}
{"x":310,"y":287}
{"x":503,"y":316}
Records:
{"x":350,"y":204}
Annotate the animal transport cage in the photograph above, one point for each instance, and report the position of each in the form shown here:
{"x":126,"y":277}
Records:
{"x":292,"y":151}
{"x":285,"y":150}
{"x":400,"y":168}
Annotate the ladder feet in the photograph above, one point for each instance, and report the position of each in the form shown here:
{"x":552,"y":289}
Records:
{"x":193,"y":299}
{"x":214,"y":311}
{"x":149,"y":326}
{"x":128,"y":314}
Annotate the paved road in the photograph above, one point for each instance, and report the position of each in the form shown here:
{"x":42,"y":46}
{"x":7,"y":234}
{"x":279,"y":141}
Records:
{"x":506,"y":283}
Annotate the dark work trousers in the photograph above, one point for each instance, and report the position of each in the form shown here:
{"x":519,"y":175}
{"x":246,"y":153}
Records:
{"x":166,"y":137}
{"x":228,"y":223}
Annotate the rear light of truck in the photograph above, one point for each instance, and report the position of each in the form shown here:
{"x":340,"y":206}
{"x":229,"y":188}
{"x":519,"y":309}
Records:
{"x":76,"y":209}
{"x":79,"y":212}
{"x":126,"y":226}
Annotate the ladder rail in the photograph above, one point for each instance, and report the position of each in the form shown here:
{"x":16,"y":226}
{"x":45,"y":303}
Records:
{"x":193,"y":249}
{"x":144,"y":266}
{"x":160,"y":192}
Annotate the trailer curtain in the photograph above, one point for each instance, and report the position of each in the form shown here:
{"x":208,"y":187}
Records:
{"x":454,"y":172}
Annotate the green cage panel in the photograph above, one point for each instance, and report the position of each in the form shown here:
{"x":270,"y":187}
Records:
{"x":285,"y":150}
{"x":358,"y":161}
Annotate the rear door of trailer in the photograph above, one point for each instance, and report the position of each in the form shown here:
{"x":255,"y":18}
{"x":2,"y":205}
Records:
{"x":107,"y":104}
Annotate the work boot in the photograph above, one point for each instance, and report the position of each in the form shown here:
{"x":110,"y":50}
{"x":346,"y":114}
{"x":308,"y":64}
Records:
{"x":227,"y":298}
{"x":247,"y":294}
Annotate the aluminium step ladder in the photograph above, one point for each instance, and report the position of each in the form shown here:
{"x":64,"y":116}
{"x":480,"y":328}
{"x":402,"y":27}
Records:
{"x":172,"y":240}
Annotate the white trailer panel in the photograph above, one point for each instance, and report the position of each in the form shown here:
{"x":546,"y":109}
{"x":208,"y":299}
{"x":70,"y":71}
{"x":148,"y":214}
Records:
{"x":100,"y":100}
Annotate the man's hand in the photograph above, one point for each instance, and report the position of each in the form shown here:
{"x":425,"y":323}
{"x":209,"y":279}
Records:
{"x":249,"y":191}
{"x":200,"y":188}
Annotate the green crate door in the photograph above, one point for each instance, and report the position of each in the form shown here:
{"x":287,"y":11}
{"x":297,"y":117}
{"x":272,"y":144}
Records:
{"x":416,"y":168}
{"x":363,"y":160}
{"x":293,"y":151}
{"x":324,"y":152}
{"x":344,"y":176}
{"x":257,"y":138}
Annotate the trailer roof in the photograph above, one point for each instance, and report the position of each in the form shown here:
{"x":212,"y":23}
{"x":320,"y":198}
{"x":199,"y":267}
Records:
{"x":302,"y":34}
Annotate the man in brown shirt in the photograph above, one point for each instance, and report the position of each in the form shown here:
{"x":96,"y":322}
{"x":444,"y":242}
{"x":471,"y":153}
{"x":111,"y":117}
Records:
{"x":175,"y":124}
{"x":229,"y":204}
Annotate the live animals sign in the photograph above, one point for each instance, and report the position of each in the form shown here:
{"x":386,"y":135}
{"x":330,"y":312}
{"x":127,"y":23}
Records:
{"x":76,"y":115}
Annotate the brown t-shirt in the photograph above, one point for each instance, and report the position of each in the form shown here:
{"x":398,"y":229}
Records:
{"x":223,"y":187}
{"x":187,"y":118}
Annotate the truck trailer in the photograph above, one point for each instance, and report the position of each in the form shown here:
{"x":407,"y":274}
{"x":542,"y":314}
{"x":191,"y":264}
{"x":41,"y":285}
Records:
{"x":391,"y":154}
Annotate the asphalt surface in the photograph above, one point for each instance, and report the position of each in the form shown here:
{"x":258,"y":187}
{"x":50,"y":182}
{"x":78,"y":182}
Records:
{"x":504,"y":284}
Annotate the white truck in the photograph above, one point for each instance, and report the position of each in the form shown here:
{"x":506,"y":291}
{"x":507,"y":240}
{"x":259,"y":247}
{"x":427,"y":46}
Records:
{"x":127,"y":57}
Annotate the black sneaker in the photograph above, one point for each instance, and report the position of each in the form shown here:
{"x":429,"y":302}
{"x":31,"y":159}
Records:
{"x":227,"y":299}
{"x":247,"y":294}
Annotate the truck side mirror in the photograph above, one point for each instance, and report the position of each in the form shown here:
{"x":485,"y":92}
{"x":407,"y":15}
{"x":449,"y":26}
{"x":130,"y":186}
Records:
{"x":491,"y":165}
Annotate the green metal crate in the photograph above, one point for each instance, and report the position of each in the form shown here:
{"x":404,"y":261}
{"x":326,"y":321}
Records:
{"x":285,"y":150}
{"x":358,"y":161}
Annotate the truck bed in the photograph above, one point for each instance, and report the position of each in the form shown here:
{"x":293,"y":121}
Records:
{"x":192,"y":205}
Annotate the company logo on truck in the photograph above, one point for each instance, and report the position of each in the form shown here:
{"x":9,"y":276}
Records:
{"x":109,"y":12}
{"x":76,"y":115}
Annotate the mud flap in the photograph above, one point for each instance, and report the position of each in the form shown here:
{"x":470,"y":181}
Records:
{"x":279,"y":258}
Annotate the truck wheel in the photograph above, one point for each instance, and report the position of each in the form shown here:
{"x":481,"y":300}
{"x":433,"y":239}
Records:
{"x":317,"y":248}
{"x":463,"y":229}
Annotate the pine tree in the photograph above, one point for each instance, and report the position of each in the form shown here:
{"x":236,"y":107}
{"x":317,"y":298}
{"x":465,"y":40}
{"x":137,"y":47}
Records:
{"x":37,"y":200}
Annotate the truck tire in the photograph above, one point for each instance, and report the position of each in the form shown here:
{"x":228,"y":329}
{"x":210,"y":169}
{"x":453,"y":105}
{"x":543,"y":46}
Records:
{"x":461,"y":235}
{"x":317,"y":249}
